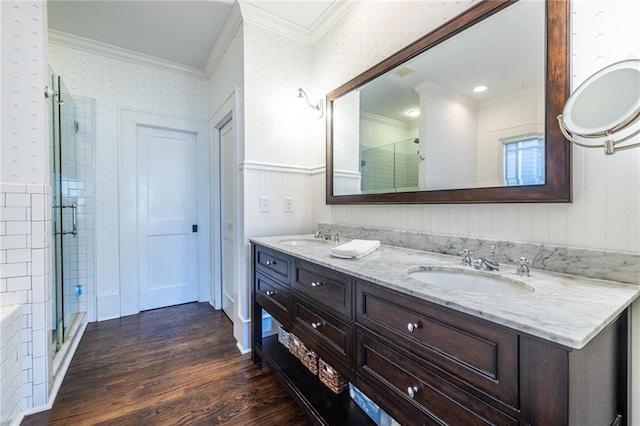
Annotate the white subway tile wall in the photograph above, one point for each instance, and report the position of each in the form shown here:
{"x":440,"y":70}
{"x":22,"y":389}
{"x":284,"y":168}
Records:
{"x":10,"y":363}
{"x":25,"y":247}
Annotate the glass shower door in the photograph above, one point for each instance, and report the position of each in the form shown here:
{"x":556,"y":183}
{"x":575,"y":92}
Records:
{"x":64,"y":202}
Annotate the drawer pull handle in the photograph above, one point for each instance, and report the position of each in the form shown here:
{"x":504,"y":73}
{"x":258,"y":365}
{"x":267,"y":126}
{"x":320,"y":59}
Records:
{"x":270,"y":292}
{"x":318,"y":284}
{"x":412,"y":391}
{"x":271,"y":262}
{"x":316,"y":324}
{"x":412,"y":326}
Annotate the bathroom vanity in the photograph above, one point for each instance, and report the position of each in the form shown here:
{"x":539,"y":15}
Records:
{"x":553,"y":354}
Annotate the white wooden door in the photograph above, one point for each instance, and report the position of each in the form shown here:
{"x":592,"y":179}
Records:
{"x":167,"y":211}
{"x":228,"y":169}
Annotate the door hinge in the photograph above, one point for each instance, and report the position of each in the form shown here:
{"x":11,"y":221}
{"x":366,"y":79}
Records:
{"x":194,"y":228}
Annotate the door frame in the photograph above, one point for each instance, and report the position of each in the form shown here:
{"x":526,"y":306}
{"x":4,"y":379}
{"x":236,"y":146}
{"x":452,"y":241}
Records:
{"x":229,"y":110}
{"x":129,"y":121}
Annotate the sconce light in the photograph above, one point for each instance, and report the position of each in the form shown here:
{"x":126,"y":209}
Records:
{"x":605,"y":105}
{"x":317,"y":107}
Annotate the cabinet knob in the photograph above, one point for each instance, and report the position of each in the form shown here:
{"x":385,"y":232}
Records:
{"x":412,"y":391}
{"x":316,"y":324}
{"x":271,"y":262}
{"x":270,"y":292}
{"x":412,"y":326}
{"x":318,"y":284}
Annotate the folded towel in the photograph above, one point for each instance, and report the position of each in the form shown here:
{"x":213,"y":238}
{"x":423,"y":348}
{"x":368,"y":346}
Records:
{"x":355,"y":249}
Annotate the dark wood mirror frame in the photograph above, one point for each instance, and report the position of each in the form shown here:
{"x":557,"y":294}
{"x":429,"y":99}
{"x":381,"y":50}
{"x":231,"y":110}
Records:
{"x":557,"y":187}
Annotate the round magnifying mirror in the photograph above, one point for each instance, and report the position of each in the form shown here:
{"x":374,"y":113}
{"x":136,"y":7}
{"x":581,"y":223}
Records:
{"x":606,"y":102}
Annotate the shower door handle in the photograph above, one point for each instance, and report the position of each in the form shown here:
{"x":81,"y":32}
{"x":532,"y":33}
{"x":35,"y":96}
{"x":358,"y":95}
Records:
{"x":73,"y":208}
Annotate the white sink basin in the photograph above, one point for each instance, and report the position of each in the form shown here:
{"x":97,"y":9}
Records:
{"x":300,"y":242}
{"x":469,"y":280}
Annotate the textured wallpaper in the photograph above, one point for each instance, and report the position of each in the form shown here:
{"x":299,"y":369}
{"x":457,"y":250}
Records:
{"x":24,"y":147}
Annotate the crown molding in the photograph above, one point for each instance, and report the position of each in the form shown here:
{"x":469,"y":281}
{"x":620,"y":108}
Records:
{"x":297,"y":32}
{"x":329,"y":18}
{"x":229,"y":30}
{"x":386,"y":120}
{"x":115,"y":52}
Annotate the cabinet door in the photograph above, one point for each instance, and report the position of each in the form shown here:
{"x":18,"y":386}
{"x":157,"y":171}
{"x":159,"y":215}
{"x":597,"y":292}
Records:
{"x":273,"y":263}
{"x":469,"y":349}
{"x":421,"y":394}
{"x":329,"y":331}
{"x":273,"y":297}
{"x":329,"y":288}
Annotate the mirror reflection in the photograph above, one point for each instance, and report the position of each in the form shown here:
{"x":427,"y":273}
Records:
{"x":467,"y":113}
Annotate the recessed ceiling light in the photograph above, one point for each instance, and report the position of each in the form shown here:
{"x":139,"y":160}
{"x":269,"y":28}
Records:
{"x":480,"y":89}
{"x":413,"y":113}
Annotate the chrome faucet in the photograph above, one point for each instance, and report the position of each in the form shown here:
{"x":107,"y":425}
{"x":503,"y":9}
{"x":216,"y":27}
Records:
{"x":466,"y":257}
{"x":327,"y":234}
{"x":488,"y":264}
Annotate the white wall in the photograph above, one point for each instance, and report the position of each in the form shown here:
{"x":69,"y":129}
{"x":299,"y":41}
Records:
{"x":280,"y":154}
{"x":115,"y":84}
{"x":451,"y":164}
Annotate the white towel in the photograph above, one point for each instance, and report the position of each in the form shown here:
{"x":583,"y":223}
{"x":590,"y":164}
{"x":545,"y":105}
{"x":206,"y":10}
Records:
{"x":355,"y":249}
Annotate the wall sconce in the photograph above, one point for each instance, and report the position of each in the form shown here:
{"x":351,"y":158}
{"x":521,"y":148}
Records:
{"x":605,"y":105}
{"x":317,"y":107}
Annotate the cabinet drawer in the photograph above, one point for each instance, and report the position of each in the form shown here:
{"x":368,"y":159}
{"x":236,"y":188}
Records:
{"x":329,"y":288}
{"x":275,"y":298}
{"x":467,"y":348}
{"x":426,"y":395}
{"x":328,"y":330}
{"x":273,"y":263}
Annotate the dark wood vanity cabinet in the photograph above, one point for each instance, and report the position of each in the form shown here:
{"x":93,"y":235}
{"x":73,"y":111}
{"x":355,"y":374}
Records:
{"x":427,"y":364}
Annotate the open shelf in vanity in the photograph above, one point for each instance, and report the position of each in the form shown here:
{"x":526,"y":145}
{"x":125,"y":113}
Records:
{"x":450,"y":368}
{"x":322,"y":405}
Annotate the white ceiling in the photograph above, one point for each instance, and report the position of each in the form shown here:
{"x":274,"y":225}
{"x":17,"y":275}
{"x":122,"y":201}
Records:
{"x":504,"y":52}
{"x":184,"y":32}
{"x":180,"y":31}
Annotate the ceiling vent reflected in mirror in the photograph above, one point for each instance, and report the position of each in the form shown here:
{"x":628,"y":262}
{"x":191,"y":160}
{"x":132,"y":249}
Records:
{"x":404,"y":70}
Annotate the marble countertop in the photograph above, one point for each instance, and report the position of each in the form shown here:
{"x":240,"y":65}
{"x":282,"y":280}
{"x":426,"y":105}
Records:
{"x":566,"y":309}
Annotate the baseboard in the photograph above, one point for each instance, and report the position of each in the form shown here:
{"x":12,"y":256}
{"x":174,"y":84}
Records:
{"x":64,"y":365}
{"x":18,"y":420}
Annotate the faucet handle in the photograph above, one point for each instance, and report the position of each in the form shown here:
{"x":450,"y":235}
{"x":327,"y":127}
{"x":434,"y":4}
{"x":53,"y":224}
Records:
{"x":493,"y":254}
{"x":523,"y":266}
{"x":328,"y":233}
{"x":466,"y":257}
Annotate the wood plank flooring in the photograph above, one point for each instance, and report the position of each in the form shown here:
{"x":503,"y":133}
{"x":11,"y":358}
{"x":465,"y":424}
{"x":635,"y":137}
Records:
{"x":172,"y":366}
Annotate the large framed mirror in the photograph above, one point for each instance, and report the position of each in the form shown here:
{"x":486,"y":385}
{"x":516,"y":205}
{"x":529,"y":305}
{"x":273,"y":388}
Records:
{"x":419,"y":128}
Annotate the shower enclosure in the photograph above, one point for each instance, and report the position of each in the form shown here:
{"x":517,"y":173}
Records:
{"x":390,"y":167}
{"x":64,"y":170}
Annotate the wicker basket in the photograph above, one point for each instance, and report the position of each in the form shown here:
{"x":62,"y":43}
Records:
{"x":283,"y":337}
{"x":310,"y":360}
{"x":331,"y":378}
{"x":296,"y":347}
